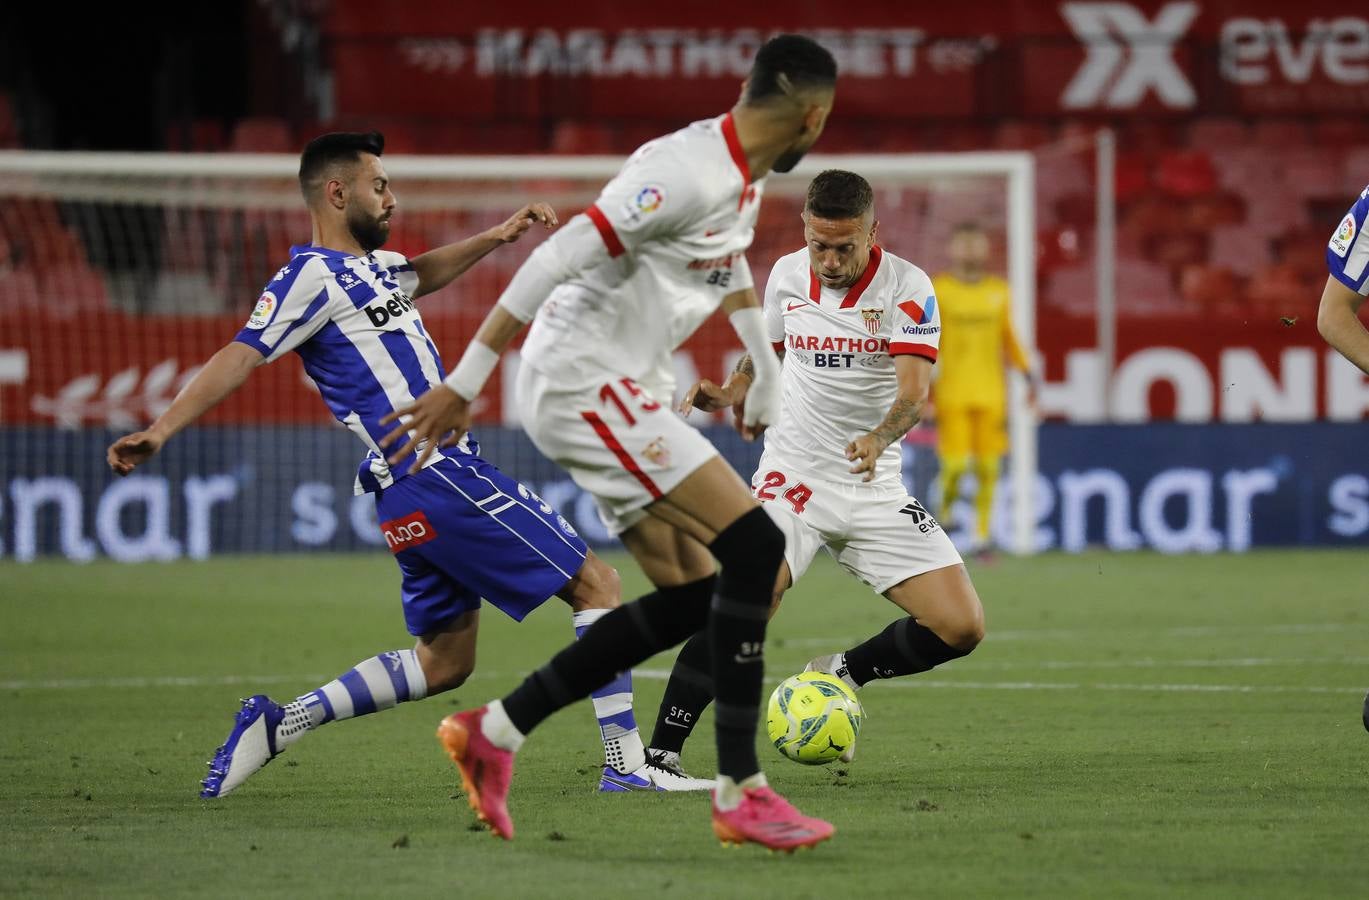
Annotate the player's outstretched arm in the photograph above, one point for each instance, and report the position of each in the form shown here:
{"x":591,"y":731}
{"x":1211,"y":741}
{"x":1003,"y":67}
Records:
{"x":440,"y":266}
{"x":1338,"y":321}
{"x":222,"y":375}
{"x":914,"y":383}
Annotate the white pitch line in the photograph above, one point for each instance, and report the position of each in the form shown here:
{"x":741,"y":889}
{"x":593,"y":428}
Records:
{"x":664,"y":674}
{"x":150,"y":682}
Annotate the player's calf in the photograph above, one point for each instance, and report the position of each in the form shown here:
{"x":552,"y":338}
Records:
{"x":593,"y":593}
{"x":750,"y":551}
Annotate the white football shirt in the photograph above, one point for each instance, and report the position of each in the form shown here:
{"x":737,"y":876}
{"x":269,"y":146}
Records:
{"x":676,"y":221}
{"x":839,"y":379}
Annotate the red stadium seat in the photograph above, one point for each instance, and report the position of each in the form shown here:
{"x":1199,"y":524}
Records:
{"x":1186,"y":173}
{"x":19,"y":290}
{"x":577,"y":138}
{"x":1131,"y":176}
{"x":1341,"y":133}
{"x":1210,"y":289}
{"x":1278,"y":290}
{"x":1217,"y":134}
{"x":1215,"y":210}
{"x":504,"y":138}
{"x":1150,"y":136}
{"x":1312,"y":172}
{"x":1239,"y":248}
{"x":1015,"y":135}
{"x":262,"y":134}
{"x":9,"y":123}
{"x":1281,"y":133}
{"x":72,"y":291}
{"x":1240,"y":167}
{"x":966,"y":137}
{"x":195,"y":136}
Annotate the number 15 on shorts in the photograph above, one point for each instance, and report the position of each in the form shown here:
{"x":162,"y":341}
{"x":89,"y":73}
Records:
{"x":798,"y":495}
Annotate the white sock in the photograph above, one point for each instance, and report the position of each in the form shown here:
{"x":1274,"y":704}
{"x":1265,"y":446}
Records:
{"x":728,"y":793}
{"x":499,"y":728}
{"x":623,"y":749}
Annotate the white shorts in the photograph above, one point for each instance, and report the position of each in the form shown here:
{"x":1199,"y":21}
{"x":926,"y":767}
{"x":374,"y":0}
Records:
{"x":618,"y":443}
{"x":879,"y":536}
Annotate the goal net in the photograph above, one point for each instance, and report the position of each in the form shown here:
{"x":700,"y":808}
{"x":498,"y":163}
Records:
{"x":121,"y":273}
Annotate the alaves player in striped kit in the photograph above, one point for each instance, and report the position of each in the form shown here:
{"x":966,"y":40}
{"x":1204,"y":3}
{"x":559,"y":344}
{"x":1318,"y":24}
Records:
{"x":347,"y":308}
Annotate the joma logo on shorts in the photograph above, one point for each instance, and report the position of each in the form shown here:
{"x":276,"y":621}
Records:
{"x":409,"y":531}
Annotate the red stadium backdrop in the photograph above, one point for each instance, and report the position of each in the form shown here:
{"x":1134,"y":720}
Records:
{"x":1232,"y":373}
{"x":1222,"y":220}
{"x":482,"y":62}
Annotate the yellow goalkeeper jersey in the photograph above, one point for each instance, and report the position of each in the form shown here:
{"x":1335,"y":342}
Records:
{"x":976,"y":334}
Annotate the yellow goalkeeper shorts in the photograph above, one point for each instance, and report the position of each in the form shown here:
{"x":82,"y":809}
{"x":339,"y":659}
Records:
{"x":971,"y":431}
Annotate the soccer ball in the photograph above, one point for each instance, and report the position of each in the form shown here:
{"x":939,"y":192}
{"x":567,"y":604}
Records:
{"x":813,"y":718}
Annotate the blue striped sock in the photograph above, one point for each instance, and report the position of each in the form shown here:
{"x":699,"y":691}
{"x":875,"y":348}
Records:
{"x":613,"y":708}
{"x":375,"y":684}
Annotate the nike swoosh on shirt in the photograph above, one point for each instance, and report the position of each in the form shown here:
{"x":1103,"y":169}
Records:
{"x":793,"y":306}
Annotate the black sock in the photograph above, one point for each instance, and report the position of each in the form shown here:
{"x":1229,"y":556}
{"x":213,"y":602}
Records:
{"x":687,"y":694}
{"x":617,"y":642}
{"x":750,"y":551}
{"x":904,"y":648}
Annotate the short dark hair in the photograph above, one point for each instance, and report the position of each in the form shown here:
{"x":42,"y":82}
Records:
{"x":838,"y":194}
{"x":802,"y":61}
{"x":328,"y":150}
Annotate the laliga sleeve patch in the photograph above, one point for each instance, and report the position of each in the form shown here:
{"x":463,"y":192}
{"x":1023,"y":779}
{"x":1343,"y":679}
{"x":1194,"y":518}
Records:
{"x":261,"y":313}
{"x":1344,"y":236}
{"x":647,"y":200}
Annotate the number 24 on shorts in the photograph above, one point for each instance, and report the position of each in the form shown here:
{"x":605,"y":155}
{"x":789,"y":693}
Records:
{"x":798,"y":495}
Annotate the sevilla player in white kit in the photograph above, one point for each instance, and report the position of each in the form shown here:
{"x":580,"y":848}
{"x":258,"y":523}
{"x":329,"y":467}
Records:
{"x":613,"y":293}
{"x":858,"y":329}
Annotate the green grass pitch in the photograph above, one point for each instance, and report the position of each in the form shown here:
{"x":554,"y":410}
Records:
{"x":1134,"y":726}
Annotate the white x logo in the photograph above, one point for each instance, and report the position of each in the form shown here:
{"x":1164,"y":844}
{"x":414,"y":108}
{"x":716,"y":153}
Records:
{"x":1146,"y":61}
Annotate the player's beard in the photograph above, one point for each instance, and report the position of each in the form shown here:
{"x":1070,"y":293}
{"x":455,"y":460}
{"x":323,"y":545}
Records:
{"x":370,"y":233}
{"x":788,"y":160}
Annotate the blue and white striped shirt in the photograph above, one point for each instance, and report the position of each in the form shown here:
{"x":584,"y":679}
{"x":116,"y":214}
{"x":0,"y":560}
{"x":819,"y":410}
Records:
{"x":354,"y":323}
{"x":1347,"y":253}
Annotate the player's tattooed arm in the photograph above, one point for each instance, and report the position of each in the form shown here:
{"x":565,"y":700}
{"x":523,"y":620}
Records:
{"x":914,"y":383}
{"x":710,"y":397}
{"x":903,"y":415}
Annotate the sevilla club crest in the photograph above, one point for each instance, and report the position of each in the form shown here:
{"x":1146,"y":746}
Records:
{"x":872,"y":319}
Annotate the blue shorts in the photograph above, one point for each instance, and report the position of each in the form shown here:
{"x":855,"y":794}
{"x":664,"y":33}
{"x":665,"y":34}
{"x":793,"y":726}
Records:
{"x":462,"y":530}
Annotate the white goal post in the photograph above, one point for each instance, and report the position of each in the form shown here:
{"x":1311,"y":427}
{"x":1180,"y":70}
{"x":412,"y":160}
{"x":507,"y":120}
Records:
{"x":266,"y":182}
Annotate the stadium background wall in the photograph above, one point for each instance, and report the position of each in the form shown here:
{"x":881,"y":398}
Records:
{"x":1168,"y":487}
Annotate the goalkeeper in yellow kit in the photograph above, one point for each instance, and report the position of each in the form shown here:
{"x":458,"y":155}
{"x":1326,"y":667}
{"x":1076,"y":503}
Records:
{"x":971,"y":389}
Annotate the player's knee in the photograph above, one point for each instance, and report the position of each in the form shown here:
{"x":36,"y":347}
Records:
{"x":965,"y":632}
{"x":750,"y":551}
{"x":447,"y":674}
